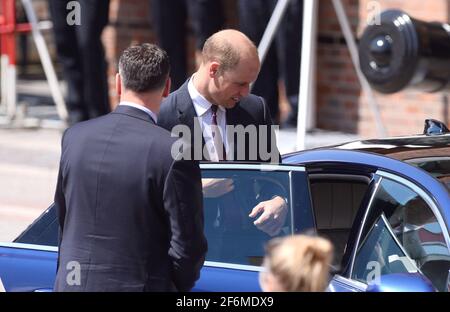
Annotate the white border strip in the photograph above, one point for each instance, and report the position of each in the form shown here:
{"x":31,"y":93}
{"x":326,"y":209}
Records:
{"x":2,"y":288}
{"x":29,"y":246}
{"x":233,"y":266}
{"x":349,"y":282}
{"x":261,"y":167}
{"x":424,"y":196}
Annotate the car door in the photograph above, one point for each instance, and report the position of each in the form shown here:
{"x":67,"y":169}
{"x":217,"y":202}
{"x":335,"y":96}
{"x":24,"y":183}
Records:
{"x":403,"y":234}
{"x":235,"y":245}
{"x":29,"y":263}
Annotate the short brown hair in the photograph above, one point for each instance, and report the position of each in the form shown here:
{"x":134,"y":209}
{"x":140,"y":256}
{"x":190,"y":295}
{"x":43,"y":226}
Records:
{"x":221,"y":51}
{"x":144,"y":67}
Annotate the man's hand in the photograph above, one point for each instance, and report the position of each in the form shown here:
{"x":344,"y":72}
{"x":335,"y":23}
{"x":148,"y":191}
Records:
{"x":213,"y":188}
{"x":273,"y":215}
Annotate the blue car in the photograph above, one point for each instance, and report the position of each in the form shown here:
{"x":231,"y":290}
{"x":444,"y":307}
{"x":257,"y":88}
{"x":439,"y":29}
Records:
{"x":384,"y":204}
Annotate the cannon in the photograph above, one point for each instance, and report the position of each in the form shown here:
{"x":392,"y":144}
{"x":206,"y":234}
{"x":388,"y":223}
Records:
{"x":402,"y":52}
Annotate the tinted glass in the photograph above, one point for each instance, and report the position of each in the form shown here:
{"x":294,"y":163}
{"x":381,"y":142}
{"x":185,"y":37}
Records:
{"x":43,"y":231}
{"x":414,"y":226}
{"x":232,"y":236}
{"x":380,"y":254}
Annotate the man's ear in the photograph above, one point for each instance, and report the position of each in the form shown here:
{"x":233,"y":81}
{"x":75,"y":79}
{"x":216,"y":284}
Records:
{"x":166,"y":90}
{"x":213,"y":69}
{"x":118,"y":84}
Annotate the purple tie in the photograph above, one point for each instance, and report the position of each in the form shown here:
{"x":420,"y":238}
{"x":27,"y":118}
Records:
{"x":217,"y":141}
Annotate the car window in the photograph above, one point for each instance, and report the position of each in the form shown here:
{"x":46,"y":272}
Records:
{"x":232,"y":236}
{"x":43,"y":231}
{"x":380,"y":253}
{"x":412,"y":226}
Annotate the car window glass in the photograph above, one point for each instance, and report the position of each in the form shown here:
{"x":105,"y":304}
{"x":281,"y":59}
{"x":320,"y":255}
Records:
{"x":232,"y":236}
{"x":43,"y":231}
{"x":415,"y":227}
{"x":380,"y":254}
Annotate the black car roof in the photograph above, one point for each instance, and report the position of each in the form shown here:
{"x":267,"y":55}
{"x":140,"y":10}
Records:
{"x":401,"y":147}
{"x":430,"y":153}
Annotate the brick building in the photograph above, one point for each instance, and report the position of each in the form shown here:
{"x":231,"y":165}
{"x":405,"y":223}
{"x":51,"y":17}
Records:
{"x":341,"y":104}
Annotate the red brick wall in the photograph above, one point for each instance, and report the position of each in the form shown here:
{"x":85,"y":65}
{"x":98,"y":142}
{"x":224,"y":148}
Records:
{"x":341,"y":105}
{"x":130,"y":23}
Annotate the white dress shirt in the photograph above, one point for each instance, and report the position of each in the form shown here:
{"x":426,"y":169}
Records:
{"x":204,"y":113}
{"x":142,"y":108}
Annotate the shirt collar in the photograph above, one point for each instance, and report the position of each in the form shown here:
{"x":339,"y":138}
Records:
{"x":201,"y":104}
{"x":142,"y":108}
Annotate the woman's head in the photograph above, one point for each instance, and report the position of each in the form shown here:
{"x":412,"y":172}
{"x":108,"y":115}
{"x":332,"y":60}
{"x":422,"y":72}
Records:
{"x":297,"y":263}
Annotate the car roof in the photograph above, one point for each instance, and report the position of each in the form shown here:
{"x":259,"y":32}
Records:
{"x":402,"y":147}
{"x":356,"y":157}
{"x":431,"y":153}
{"x":393,"y":146}
{"x":349,"y":156}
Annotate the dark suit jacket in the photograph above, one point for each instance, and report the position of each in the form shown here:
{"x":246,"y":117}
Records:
{"x":178,"y":109}
{"x":130,"y":215}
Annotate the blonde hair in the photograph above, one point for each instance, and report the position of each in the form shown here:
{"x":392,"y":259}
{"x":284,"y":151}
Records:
{"x":299,"y":262}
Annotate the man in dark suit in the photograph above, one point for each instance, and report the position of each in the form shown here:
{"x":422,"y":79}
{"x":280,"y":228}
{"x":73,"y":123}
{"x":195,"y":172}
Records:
{"x":81,"y":53}
{"x":130,"y":210}
{"x":169,"y":19}
{"x":223,"y":120}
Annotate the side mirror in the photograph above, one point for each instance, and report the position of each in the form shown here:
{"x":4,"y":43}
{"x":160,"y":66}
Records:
{"x":402,"y":282}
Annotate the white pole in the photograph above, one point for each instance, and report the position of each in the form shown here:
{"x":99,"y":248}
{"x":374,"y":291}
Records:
{"x":4,"y":63}
{"x":271,"y":29}
{"x":11,"y":98}
{"x":306,"y":97}
{"x":8,"y":76}
{"x":2,"y":288}
{"x":353,"y":49}
{"x":46,"y":61}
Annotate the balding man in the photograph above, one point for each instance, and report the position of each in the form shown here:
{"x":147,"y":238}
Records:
{"x":217,"y":101}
